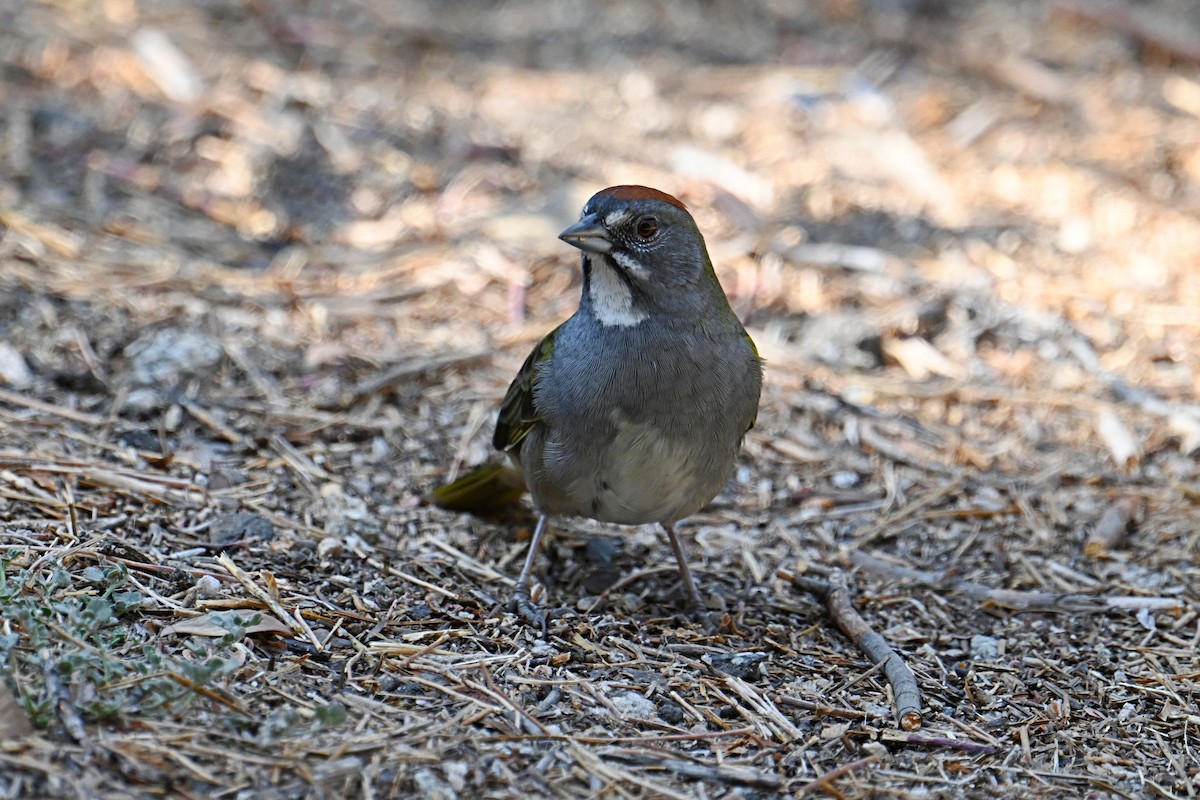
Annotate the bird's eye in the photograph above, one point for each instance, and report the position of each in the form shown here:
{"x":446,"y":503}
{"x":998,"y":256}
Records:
{"x":647,"y":227}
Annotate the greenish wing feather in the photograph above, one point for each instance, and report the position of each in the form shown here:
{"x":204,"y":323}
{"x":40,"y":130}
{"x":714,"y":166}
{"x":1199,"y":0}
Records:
{"x":493,"y":486}
{"x":518,"y":413}
{"x":486,"y":488}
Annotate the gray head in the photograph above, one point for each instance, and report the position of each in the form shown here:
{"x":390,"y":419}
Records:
{"x":642,"y":255}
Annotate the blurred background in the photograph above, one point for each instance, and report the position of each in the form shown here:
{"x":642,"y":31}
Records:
{"x":1046,"y":155}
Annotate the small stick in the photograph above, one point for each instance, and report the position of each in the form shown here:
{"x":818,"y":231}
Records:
{"x":46,"y":408}
{"x":298,"y":627}
{"x":1013,"y":598}
{"x":212,"y":694}
{"x":965,"y":745}
{"x":157,"y":570}
{"x":822,"y":782}
{"x":901,"y":452}
{"x":495,"y":691}
{"x":408,"y":369}
{"x":744,"y":776}
{"x":823,"y":710}
{"x":580,"y":739}
{"x":1110,"y":531}
{"x":836,"y":596}
{"x":211,"y":422}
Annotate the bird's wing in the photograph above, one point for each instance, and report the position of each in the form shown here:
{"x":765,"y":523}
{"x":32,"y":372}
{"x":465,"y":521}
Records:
{"x":518,"y":412}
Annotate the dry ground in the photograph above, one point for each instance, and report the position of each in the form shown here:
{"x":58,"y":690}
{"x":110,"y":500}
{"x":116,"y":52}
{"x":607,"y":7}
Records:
{"x":267,"y":267}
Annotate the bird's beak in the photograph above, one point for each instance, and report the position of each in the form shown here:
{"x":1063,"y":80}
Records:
{"x":588,"y":235}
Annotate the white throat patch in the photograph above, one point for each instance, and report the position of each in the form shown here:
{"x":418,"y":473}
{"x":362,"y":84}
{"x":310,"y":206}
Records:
{"x":611,"y":299}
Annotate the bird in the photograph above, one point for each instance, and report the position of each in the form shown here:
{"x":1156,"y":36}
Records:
{"x":634,"y":409}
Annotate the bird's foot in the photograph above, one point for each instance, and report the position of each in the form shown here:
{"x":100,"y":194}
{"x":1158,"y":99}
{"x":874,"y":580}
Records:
{"x":523,"y":605}
{"x":710,"y":614}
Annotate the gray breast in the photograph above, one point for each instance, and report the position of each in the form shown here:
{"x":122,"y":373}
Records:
{"x":640,"y":424}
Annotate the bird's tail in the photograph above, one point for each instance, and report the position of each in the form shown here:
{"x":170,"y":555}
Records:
{"x":486,"y":488}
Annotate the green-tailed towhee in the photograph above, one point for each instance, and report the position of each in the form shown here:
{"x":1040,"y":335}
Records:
{"x":633,"y":410}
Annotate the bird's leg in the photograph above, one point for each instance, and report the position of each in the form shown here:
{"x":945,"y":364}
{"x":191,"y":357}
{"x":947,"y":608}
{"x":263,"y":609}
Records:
{"x":689,"y":586}
{"x":534,"y":543}
{"x":521,"y":601}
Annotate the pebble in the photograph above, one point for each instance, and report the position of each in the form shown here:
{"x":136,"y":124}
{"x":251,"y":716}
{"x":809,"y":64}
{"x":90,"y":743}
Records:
{"x":165,"y":357}
{"x":985,"y":648}
{"x":13,"y":370}
{"x":143,"y":401}
{"x":347,"y":516}
{"x":632,"y":705}
{"x":240,"y":525}
{"x":208,"y":586}
{"x":845,"y":479}
{"x":433,"y":787}
{"x":330,"y":546}
{"x":739,"y":665}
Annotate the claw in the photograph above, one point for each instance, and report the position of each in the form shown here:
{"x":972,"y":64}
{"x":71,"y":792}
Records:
{"x":523,"y":606}
{"x":711,"y":622}
{"x":522,"y":602}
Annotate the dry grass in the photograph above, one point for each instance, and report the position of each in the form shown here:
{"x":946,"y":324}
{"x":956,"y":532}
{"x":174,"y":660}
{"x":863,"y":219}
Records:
{"x":973,"y":269}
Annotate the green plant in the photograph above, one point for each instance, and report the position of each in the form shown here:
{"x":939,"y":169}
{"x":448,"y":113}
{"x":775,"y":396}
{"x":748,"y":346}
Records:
{"x":80,"y":638}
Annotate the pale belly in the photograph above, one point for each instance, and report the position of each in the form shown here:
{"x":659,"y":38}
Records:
{"x":635,"y":477}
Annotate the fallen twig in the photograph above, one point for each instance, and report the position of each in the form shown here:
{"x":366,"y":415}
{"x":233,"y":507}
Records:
{"x":836,"y":596}
{"x":965,"y":745}
{"x":821,"y":782}
{"x":34,"y":404}
{"x":766,"y":710}
{"x":293,"y":621}
{"x":1042,"y":601}
{"x":1118,"y":439}
{"x":212,"y":694}
{"x":891,"y":522}
{"x":743,"y":776}
{"x":902,"y":452}
{"x":408,"y":369}
{"x":823,"y":710}
{"x":614,"y":740}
